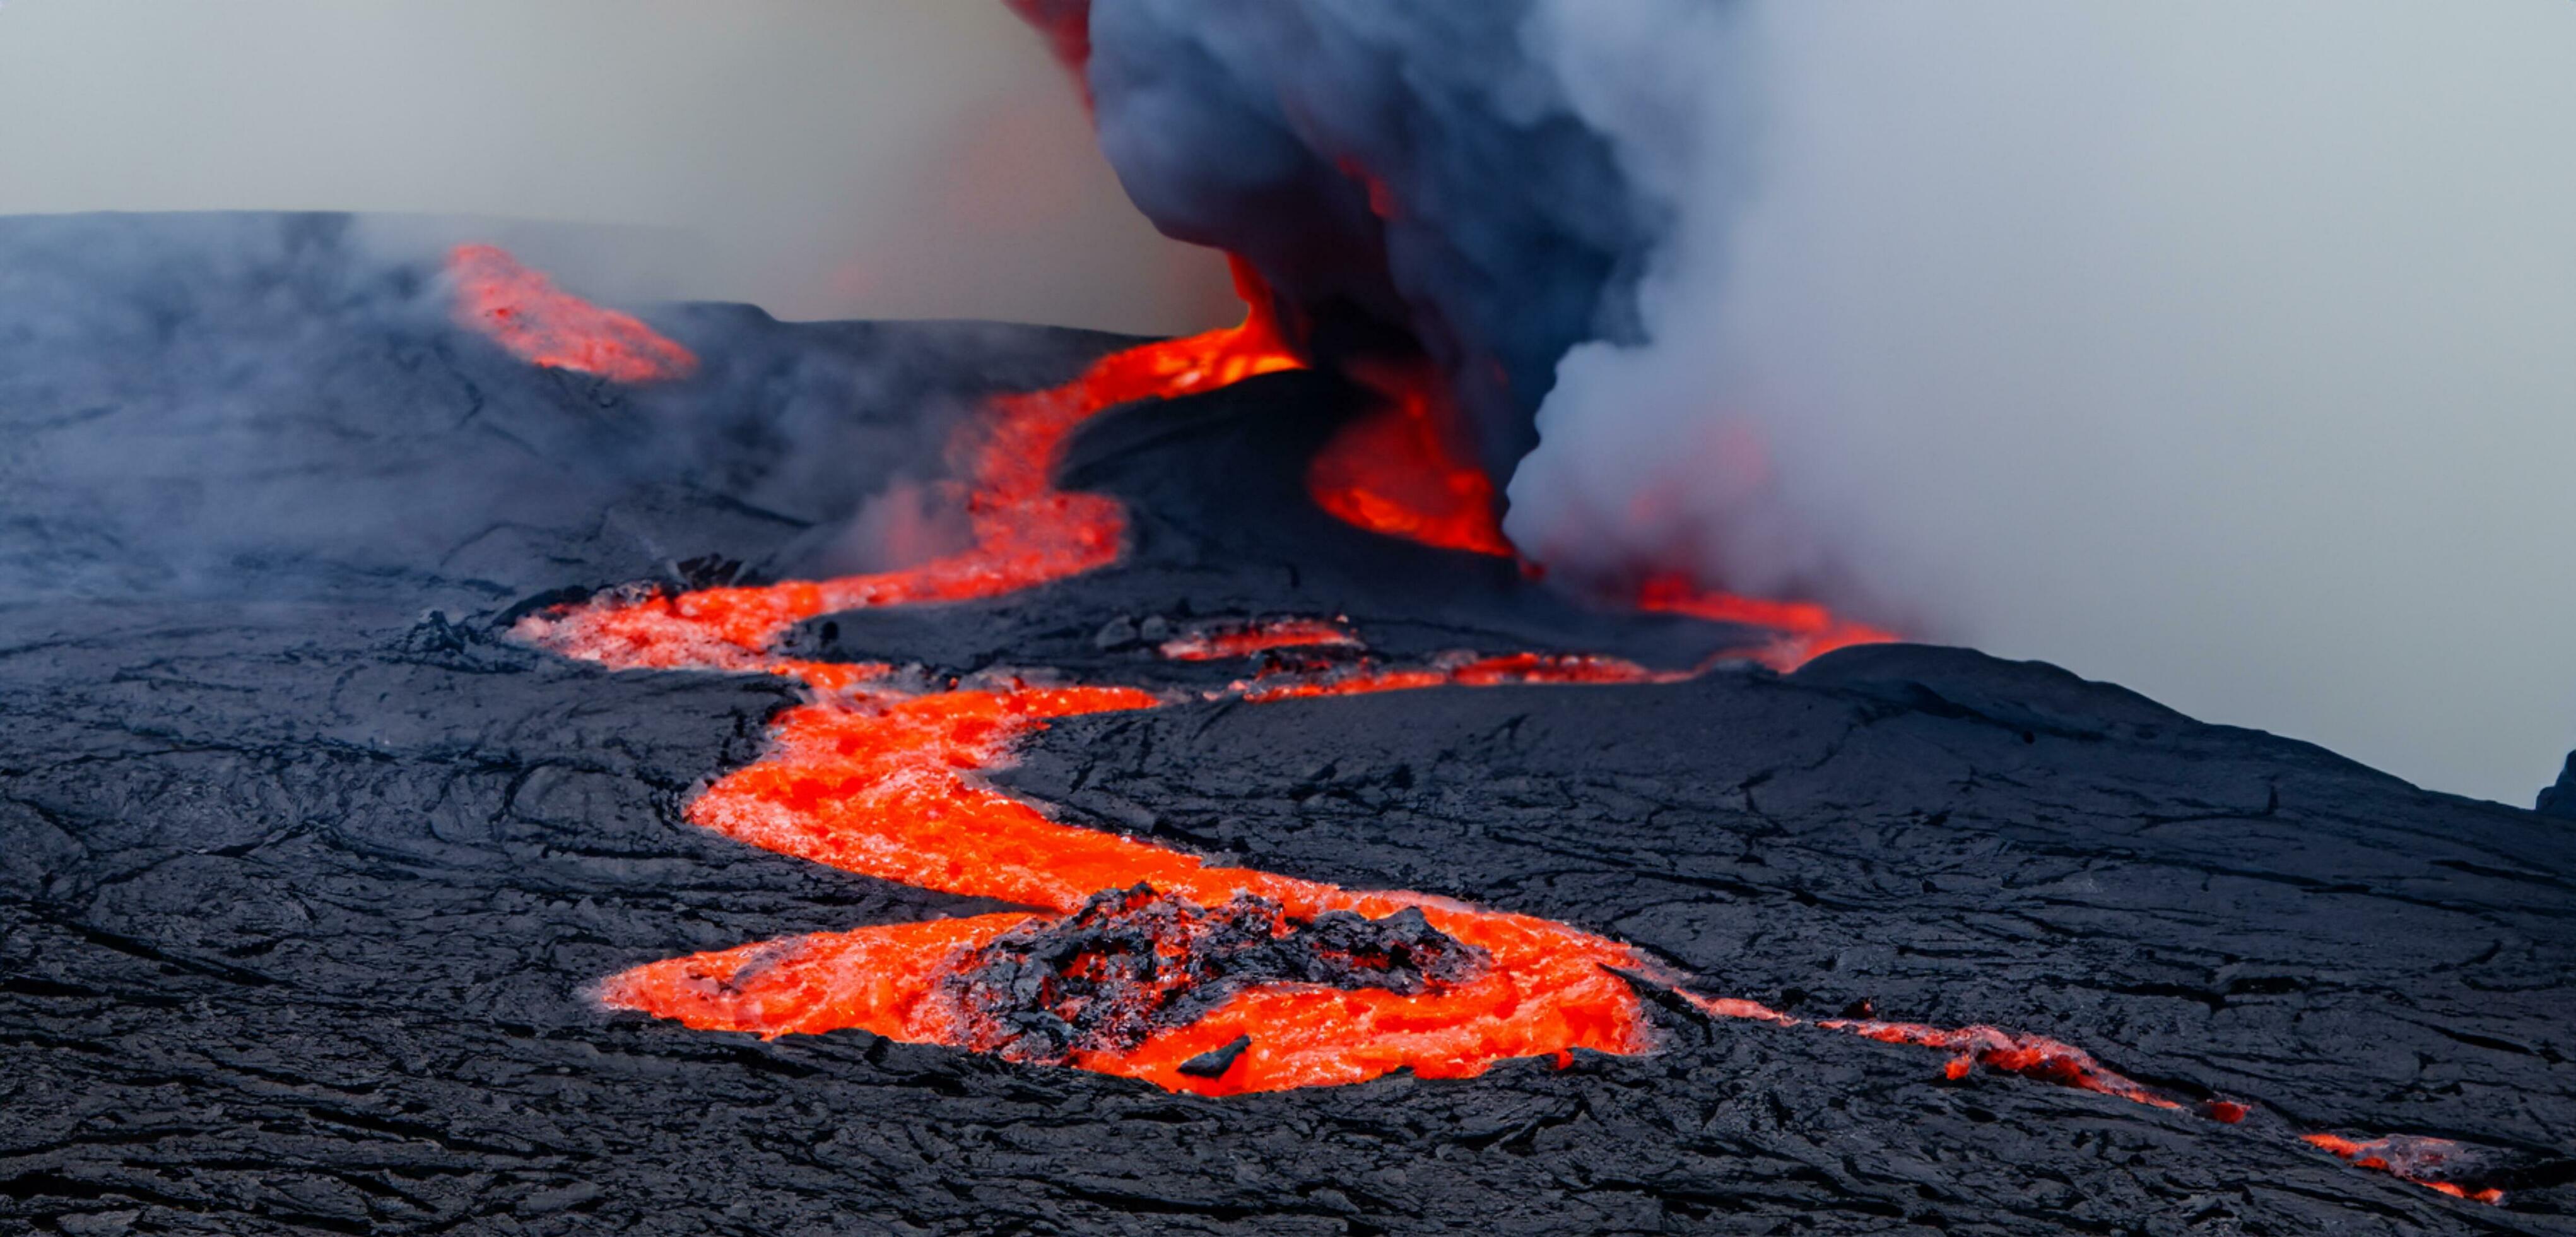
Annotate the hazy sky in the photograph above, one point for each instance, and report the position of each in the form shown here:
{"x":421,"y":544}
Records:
{"x":2224,"y":348}
{"x":825,"y":158}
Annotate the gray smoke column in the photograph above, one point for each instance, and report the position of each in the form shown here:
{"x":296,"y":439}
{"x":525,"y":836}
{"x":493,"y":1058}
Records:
{"x":1402,"y":175}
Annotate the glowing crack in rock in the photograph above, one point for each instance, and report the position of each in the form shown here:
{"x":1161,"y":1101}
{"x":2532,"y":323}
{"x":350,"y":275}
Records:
{"x":2434,"y":1163}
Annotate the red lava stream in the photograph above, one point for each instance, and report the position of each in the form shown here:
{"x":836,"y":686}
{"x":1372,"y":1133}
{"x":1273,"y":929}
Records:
{"x":879,"y":773}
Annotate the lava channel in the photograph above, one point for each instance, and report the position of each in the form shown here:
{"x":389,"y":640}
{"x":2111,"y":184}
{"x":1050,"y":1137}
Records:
{"x":1137,"y":959}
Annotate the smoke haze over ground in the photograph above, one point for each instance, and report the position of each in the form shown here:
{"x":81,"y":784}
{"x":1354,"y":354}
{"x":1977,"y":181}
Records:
{"x":820,"y":158}
{"x":2226,"y":351}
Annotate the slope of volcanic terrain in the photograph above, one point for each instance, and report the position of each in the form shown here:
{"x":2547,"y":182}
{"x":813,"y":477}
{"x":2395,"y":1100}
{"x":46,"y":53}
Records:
{"x":430,"y":802}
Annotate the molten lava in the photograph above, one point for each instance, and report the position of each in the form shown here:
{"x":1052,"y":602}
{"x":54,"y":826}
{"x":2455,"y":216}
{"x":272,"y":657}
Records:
{"x":1139,"y":959}
{"x":1399,"y":470}
{"x":1025,"y":531}
{"x":880,"y":782}
{"x":1804,"y":630}
{"x":2434,"y":1163}
{"x":524,"y":312}
{"x":876,"y":778}
{"x":1365,"y":677}
{"x":2031,"y":1056}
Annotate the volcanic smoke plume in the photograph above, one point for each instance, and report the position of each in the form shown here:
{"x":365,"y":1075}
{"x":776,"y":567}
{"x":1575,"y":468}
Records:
{"x":1404,"y":177}
{"x":2072,"y":328}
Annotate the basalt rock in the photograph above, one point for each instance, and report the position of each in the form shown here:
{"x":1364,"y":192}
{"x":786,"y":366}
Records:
{"x":1132,"y":961}
{"x":307,"y":870}
{"x":2560,"y":800}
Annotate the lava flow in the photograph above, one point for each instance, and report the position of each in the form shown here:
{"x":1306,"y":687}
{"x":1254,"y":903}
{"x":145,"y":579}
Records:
{"x":1025,"y":532}
{"x":522,"y":310}
{"x":2434,"y":1163}
{"x":880,"y":781}
{"x":1803,"y":630}
{"x":1138,"y":959}
{"x":1399,"y":470}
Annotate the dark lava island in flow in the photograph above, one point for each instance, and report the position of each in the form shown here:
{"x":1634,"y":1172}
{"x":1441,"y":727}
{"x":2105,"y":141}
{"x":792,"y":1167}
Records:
{"x":473,"y":762}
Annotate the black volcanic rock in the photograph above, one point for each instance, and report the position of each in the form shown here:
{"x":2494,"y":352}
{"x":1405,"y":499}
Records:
{"x":305,"y":871}
{"x":2560,"y":800}
{"x":1132,"y":962}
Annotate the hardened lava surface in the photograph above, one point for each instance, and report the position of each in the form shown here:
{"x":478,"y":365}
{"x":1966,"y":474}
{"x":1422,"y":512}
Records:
{"x":309,"y":871}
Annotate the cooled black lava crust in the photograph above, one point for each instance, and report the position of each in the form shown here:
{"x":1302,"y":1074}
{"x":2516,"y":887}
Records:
{"x":304,"y":870}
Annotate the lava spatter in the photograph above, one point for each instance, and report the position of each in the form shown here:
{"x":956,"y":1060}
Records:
{"x":522,"y":310}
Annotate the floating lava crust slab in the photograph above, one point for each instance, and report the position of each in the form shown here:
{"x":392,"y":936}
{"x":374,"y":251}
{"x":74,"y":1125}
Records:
{"x":308,"y":871}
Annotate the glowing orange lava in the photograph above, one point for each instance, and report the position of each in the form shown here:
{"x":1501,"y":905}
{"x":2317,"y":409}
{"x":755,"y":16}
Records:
{"x":1804,"y":630}
{"x":880,"y":774}
{"x":1364,"y":678}
{"x":2031,"y":1056}
{"x":1399,"y":470}
{"x":880,"y":782}
{"x":522,"y":310}
{"x":879,"y":778}
{"x":1025,"y":531}
{"x":2409,"y":1158}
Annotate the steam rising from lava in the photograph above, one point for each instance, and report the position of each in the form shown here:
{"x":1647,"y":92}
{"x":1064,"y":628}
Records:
{"x":2211,"y":348}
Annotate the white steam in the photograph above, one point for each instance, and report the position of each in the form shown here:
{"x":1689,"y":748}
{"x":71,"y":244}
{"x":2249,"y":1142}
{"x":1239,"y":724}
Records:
{"x":2225,"y":350}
